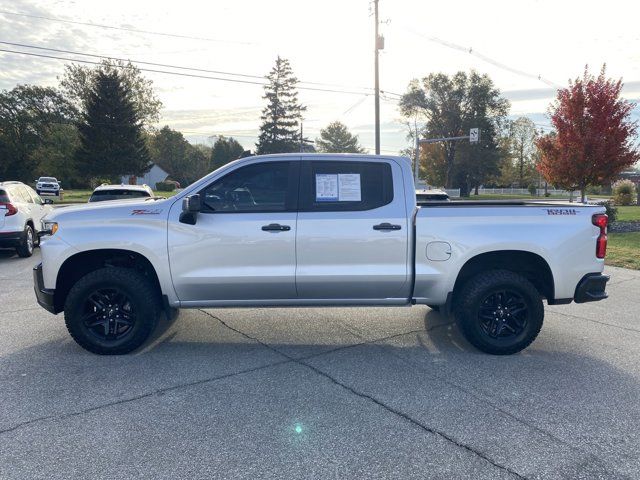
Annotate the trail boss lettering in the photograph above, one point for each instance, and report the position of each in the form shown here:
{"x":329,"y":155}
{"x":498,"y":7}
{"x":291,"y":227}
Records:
{"x":562,"y":211}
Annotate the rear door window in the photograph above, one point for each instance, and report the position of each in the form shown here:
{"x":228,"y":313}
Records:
{"x":345,"y":186}
{"x":4,"y":197}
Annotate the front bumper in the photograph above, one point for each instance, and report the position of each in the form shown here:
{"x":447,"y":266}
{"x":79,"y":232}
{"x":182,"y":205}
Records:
{"x":45,"y":296}
{"x":591,"y":288}
{"x":11,"y":239}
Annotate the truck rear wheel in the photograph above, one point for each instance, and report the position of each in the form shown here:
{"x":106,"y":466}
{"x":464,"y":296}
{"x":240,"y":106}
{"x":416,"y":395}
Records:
{"x":111,"y":311}
{"x":499,"y":312}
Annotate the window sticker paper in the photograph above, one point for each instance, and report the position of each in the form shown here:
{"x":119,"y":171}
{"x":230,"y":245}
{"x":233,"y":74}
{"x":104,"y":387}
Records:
{"x":349,"y":189}
{"x":326,"y":187}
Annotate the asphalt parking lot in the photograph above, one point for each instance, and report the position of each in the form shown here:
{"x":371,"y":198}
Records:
{"x":321,"y":393}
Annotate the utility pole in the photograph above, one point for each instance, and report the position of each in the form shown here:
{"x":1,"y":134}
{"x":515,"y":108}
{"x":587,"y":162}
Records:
{"x":377,"y":80}
{"x":301,"y":139}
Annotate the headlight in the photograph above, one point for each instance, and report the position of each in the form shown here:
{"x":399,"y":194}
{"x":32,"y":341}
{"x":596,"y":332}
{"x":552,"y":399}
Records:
{"x":49,"y":228}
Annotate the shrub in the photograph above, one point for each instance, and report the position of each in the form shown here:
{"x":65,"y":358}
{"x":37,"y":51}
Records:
{"x":624,"y":192}
{"x":533,"y":189}
{"x":612,"y":211}
{"x":165,"y":186}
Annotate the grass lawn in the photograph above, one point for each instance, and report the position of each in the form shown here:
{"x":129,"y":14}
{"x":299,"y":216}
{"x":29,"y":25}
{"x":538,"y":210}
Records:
{"x":82,"y":196}
{"x":629,"y":213}
{"x":623,"y":250}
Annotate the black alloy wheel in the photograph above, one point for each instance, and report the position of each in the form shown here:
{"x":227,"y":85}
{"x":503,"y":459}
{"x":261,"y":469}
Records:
{"x":109,"y":314}
{"x":503,"y":314}
{"x":499,"y":311}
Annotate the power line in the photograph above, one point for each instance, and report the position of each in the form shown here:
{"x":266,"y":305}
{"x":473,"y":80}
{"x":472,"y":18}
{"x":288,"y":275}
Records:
{"x":178,"y":67}
{"x":485,"y":58}
{"x":133,"y":30}
{"x":166,"y":72}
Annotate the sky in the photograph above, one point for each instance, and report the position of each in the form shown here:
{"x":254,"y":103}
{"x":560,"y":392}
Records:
{"x":528,"y":47}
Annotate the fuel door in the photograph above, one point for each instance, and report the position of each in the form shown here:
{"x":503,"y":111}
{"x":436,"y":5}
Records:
{"x":438,"y":251}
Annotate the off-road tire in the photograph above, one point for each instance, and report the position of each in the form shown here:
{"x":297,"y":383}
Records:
{"x":25,"y":249}
{"x":470,"y":298}
{"x":143,"y":300}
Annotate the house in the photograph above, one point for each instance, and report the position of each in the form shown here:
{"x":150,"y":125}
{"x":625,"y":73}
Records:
{"x":153,"y":176}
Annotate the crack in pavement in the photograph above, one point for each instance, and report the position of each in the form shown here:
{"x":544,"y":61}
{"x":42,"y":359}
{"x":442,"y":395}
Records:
{"x":390,"y":409}
{"x":286,"y":360}
{"x":21,"y":310}
{"x":476,"y":395}
{"x":596,"y":321}
{"x":139,"y":397}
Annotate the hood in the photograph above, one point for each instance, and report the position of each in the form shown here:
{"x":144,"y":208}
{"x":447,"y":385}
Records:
{"x":100,"y":211}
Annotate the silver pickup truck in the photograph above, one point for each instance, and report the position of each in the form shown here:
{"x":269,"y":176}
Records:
{"x":317,"y":230}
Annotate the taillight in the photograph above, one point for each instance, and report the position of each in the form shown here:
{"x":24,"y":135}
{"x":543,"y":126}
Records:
{"x":11,"y":210}
{"x":600,"y":220}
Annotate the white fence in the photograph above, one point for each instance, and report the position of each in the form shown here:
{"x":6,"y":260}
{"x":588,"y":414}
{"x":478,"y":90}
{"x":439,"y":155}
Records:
{"x":521,"y":191}
{"x":452,"y":192}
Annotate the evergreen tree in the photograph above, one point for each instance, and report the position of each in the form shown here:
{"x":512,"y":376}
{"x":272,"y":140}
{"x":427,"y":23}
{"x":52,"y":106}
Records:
{"x":224,"y":151}
{"x":111,"y":135}
{"x":280,"y":129}
{"x":336,"y":138}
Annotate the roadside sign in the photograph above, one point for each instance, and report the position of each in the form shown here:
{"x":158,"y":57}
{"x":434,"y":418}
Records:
{"x":474,"y":135}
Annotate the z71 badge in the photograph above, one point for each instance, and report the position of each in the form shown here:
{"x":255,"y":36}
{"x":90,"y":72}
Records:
{"x":145,"y":211}
{"x":561,"y":211}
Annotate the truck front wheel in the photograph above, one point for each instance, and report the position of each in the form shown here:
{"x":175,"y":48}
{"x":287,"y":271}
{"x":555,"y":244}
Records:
{"x":499,"y":312}
{"x":111,"y":311}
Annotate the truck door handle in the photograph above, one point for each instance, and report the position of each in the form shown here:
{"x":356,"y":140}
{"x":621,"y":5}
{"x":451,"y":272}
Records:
{"x":276,"y":227}
{"x":386,"y":226}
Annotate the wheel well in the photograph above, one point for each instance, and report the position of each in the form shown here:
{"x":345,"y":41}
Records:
{"x":80,"y":264}
{"x":530,"y":265}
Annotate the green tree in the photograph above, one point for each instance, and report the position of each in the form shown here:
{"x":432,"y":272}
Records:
{"x":56,"y":156}
{"x":224,"y":151}
{"x":78,"y":81}
{"x":181,"y":160}
{"x":28,"y":113}
{"x":336,"y":138}
{"x":111,"y":136}
{"x":522,"y":137}
{"x":451,"y":106}
{"x":280,"y":129}
{"x":168,"y":149}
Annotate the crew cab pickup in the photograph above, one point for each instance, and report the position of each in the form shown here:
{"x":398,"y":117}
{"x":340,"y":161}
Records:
{"x":317,"y":230}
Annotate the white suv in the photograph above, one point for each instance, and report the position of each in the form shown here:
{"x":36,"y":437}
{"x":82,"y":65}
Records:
{"x":21,"y":212}
{"x":120,"y":192}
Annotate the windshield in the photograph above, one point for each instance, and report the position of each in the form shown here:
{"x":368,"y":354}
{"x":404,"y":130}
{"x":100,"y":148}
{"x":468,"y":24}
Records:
{"x":47,"y":179}
{"x":117,"y":194}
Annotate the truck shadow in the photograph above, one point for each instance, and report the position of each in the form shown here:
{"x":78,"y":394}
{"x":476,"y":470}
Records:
{"x":6,"y":253}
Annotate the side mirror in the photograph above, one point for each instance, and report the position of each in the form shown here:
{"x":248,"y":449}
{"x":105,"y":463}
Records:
{"x":48,"y":201}
{"x":191,"y":205}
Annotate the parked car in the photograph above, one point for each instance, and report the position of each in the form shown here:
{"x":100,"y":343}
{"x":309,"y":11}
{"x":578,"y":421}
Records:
{"x":48,"y":186}
{"x":431,"y":195}
{"x":120,"y":192}
{"x":312,"y":230}
{"x":21,"y":212}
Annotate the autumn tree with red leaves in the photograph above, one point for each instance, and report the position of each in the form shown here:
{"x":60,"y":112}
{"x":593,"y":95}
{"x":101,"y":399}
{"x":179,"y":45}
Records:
{"x":593,"y":138}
